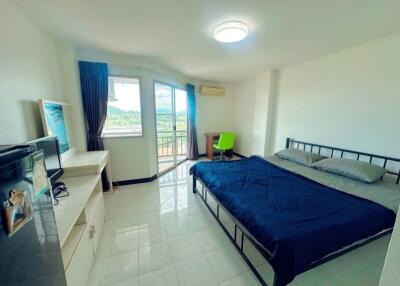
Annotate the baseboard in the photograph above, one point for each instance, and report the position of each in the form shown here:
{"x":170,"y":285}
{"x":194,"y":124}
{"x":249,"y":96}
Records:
{"x":134,"y":181}
{"x":234,"y":153}
{"x":152,"y":178}
{"x":239,"y":155}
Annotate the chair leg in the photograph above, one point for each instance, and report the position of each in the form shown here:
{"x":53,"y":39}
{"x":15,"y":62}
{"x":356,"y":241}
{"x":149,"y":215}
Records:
{"x":221,"y":155}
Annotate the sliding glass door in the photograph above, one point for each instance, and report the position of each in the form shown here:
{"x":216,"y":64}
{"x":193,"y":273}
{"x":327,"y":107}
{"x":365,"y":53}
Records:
{"x":181,"y":124}
{"x":171,"y":125}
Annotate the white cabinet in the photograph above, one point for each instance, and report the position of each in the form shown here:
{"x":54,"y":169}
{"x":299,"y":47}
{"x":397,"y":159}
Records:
{"x":80,"y":216}
{"x":77,"y":272}
{"x":96,"y":223}
{"x":80,"y":219}
{"x":81,"y":262}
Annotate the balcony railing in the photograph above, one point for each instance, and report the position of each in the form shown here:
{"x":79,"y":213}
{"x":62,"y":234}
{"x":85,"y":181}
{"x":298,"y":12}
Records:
{"x":165,"y":144}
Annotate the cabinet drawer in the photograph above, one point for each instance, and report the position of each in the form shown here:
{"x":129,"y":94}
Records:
{"x":78,"y":270}
{"x":96,"y":222}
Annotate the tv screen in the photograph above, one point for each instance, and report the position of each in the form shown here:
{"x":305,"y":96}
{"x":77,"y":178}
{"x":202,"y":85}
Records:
{"x":52,"y":160}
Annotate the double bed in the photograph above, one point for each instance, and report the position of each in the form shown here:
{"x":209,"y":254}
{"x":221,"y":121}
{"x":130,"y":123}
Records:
{"x":296,"y":216}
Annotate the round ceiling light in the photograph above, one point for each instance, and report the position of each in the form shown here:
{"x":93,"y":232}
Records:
{"x":230,"y":32}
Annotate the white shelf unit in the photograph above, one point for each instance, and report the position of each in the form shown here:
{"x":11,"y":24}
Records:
{"x":80,"y":216}
{"x":80,"y":219}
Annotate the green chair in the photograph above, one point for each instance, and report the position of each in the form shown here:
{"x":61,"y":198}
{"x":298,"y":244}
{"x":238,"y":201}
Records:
{"x":226,"y":142}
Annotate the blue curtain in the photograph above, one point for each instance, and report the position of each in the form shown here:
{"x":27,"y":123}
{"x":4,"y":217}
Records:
{"x":193,"y":149}
{"x":94,"y":88}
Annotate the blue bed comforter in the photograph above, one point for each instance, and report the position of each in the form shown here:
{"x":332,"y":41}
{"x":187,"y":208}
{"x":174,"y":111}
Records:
{"x":299,"y":221}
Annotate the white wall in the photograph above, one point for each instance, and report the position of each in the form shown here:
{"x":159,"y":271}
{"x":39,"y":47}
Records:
{"x":243,"y":107}
{"x":131,"y":157}
{"x":272,"y":112}
{"x":253,"y":107}
{"x":135,"y":157}
{"x":214,"y":114}
{"x":350,"y":99}
{"x":29,"y":71}
{"x":390,"y":272}
{"x":260,"y":115}
{"x":71,"y":91}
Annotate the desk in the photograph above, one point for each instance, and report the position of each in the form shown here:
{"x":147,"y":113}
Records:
{"x":211,"y":139}
{"x":88,"y":163}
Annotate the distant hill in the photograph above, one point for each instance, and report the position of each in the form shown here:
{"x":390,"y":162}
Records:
{"x":112,"y":110}
{"x":115,"y":110}
{"x":164,"y":110}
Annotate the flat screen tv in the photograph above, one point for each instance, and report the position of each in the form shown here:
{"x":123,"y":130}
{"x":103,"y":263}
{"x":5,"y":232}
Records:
{"x":52,"y":156}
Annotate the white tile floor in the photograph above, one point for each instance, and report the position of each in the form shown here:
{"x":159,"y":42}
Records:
{"x":160,"y":233}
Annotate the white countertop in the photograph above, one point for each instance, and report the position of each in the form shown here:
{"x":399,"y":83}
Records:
{"x":87,"y":160}
{"x":69,"y":208}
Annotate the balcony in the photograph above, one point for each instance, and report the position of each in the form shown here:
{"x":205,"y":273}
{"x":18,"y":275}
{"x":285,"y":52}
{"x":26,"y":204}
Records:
{"x":165,"y":149}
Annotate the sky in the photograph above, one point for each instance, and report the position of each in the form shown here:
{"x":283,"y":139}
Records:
{"x":127,"y":94}
{"x":163,"y":98}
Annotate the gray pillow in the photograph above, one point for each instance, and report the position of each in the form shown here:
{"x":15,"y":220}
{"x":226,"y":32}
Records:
{"x":357,"y":170}
{"x":299,"y":156}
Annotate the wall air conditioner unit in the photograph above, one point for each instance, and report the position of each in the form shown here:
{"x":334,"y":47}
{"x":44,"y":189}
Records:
{"x":212,"y":90}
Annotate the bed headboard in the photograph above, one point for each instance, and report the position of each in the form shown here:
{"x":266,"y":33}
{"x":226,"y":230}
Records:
{"x":391,"y":164}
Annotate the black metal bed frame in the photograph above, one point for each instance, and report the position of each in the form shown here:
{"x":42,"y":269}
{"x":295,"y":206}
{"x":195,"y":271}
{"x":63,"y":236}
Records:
{"x":331,"y":151}
{"x":245,"y":234}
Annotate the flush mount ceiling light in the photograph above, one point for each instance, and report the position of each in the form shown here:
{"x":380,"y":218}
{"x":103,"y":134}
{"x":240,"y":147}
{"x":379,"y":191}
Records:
{"x":230,"y":32}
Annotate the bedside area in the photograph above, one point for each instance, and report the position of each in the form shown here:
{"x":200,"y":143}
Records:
{"x":80,"y":216}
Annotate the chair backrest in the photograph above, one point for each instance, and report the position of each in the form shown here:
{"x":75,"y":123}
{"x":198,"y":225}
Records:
{"x":226,"y":140}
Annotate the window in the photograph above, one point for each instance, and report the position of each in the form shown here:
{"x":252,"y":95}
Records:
{"x":124,"y":115}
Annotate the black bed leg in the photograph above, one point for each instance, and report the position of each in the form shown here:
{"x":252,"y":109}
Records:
{"x":194,"y":184}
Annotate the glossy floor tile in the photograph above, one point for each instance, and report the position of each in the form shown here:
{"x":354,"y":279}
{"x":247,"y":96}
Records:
{"x":154,"y":233}
{"x":120,"y":242}
{"x":160,"y":233}
{"x":185,"y":247}
{"x":163,"y":277}
{"x":154,"y":257}
{"x":245,"y":279}
{"x":225,"y":263}
{"x":195,"y":272}
{"x":119,"y":267}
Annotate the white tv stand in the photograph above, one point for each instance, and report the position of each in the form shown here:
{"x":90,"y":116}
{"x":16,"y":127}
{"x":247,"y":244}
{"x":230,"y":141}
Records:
{"x":80,"y":216}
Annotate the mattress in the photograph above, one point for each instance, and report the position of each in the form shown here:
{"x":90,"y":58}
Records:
{"x":384,"y":192}
{"x":297,"y":219}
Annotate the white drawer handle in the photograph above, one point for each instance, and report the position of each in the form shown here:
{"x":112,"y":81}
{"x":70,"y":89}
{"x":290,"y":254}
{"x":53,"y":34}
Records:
{"x":92,"y":231}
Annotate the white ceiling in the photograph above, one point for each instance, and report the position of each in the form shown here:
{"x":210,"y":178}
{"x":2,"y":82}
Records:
{"x":178,"y":33}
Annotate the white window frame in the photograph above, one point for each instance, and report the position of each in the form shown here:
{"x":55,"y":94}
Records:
{"x":128,"y":134}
